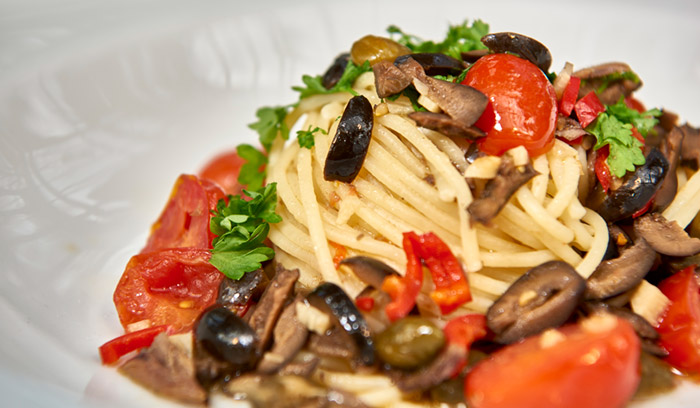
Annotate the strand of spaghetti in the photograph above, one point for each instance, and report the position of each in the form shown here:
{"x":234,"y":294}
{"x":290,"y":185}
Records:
{"x":375,"y":193}
{"x":480,"y":302}
{"x":487,"y":284}
{"x":583,"y":180}
{"x":449,"y":147}
{"x":488,"y":240}
{"x":400,"y":151}
{"x":575,"y":210}
{"x":278,"y":174}
{"x":686,"y":204}
{"x":540,"y":181}
{"x":308,"y":276}
{"x":443,"y":186}
{"x":380,"y":157}
{"x":600,"y":244}
{"x":581,"y":235}
{"x":470,"y":247}
{"x":516,"y":232}
{"x":280,"y":237}
{"x":542,"y":217}
{"x":567,"y":175}
{"x":517,"y":259}
{"x":313,"y":218}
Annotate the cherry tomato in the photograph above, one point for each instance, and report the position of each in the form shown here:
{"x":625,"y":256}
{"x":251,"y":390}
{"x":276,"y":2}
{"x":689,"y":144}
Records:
{"x":223,"y":170}
{"x":184,"y":222}
{"x":522,"y":108}
{"x":586,"y":367}
{"x":167,"y":287}
{"x":680,"y":327}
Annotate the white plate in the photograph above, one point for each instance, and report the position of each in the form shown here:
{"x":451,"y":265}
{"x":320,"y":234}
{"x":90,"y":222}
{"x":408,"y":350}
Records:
{"x":103,"y":104}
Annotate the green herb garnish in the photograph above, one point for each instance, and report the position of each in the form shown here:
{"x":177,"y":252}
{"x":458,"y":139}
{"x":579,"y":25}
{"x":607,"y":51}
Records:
{"x":625,"y":149}
{"x":252,"y":174}
{"x":241,"y":227}
{"x":460,"y":38}
{"x":305,"y":138}
{"x":314,"y":84}
{"x":644,"y":122}
{"x":270,"y":122}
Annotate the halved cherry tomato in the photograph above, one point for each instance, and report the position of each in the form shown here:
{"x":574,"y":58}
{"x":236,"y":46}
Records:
{"x":586,"y":367}
{"x":184,"y":222}
{"x":223,"y":170}
{"x":170,"y":286}
{"x":680,"y":327}
{"x":523,"y":105}
{"x":114,"y":349}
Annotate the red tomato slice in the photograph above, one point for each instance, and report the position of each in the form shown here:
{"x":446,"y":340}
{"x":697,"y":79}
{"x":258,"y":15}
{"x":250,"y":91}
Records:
{"x":595,"y":367}
{"x":523,"y":104}
{"x":223,"y":170}
{"x":680,"y":327}
{"x":184,"y":222}
{"x":167,"y":287}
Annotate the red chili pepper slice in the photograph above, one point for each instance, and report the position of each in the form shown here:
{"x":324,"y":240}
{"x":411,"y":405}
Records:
{"x":403,"y":291}
{"x":340,"y":253}
{"x":114,"y":349}
{"x":602,"y":171}
{"x":465,"y":330}
{"x":588,"y":108}
{"x":451,"y":285}
{"x":568,"y":98}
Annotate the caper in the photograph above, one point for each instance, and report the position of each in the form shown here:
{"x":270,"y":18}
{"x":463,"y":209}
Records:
{"x":374,"y":49}
{"x":409,"y":343}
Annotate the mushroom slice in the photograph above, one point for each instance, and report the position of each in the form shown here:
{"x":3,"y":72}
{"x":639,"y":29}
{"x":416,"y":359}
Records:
{"x":265,"y":315}
{"x":370,"y":270}
{"x":290,"y":336}
{"x":620,"y":274}
{"x":524,"y":46}
{"x":439,"y":370}
{"x":691,"y":146}
{"x":499,"y":189}
{"x":166,"y":369}
{"x":569,"y":129}
{"x":671,"y":149}
{"x":389,"y":79}
{"x":599,"y":75}
{"x":664,"y":236}
{"x":446,"y":125}
{"x":542,"y":298}
{"x":461,"y":102}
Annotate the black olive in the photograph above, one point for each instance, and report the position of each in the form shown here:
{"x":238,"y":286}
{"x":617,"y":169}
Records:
{"x":351,"y":141}
{"x":335,"y":71}
{"x":636,"y":192}
{"x":524,"y":46}
{"x":235,"y":294}
{"x":435,"y":63}
{"x":543,"y":297}
{"x":224,"y":345}
{"x":333,"y":300}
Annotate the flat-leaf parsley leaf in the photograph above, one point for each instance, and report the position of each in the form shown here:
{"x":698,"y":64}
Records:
{"x":460,"y":38}
{"x":241,"y":227}
{"x":625,"y":149}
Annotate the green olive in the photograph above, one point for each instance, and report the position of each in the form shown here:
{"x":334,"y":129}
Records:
{"x":374,"y":49}
{"x":409,"y":343}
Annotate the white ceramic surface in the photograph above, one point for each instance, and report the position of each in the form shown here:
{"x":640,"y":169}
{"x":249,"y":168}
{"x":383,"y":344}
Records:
{"x":104,"y":103}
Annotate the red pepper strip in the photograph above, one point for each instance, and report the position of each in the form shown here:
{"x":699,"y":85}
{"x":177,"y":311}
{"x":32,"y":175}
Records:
{"x":644,"y":209}
{"x":451,"y":285}
{"x":365,"y":303}
{"x":602,"y":171}
{"x":464,"y":330}
{"x":568,"y":98}
{"x":634,"y":103}
{"x":114,"y":349}
{"x":403,"y":291}
{"x":588,"y":108}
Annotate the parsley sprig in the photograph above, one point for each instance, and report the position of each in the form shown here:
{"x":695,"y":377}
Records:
{"x":305,"y":138}
{"x":460,"y":38}
{"x":241,"y":227}
{"x":613,"y":128}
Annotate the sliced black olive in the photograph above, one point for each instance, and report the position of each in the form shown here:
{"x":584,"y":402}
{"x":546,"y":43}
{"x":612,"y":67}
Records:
{"x":335,"y":71}
{"x":666,"y":237}
{"x":370,"y":270}
{"x":410,"y":342}
{"x":435,"y":63}
{"x":636,"y":192}
{"x":224,"y":346}
{"x":519,"y":44}
{"x":333,"y":300}
{"x":235,"y":294}
{"x":620,"y":274}
{"x":543,"y":297}
{"x":351,"y":141}
{"x":474,"y":55}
